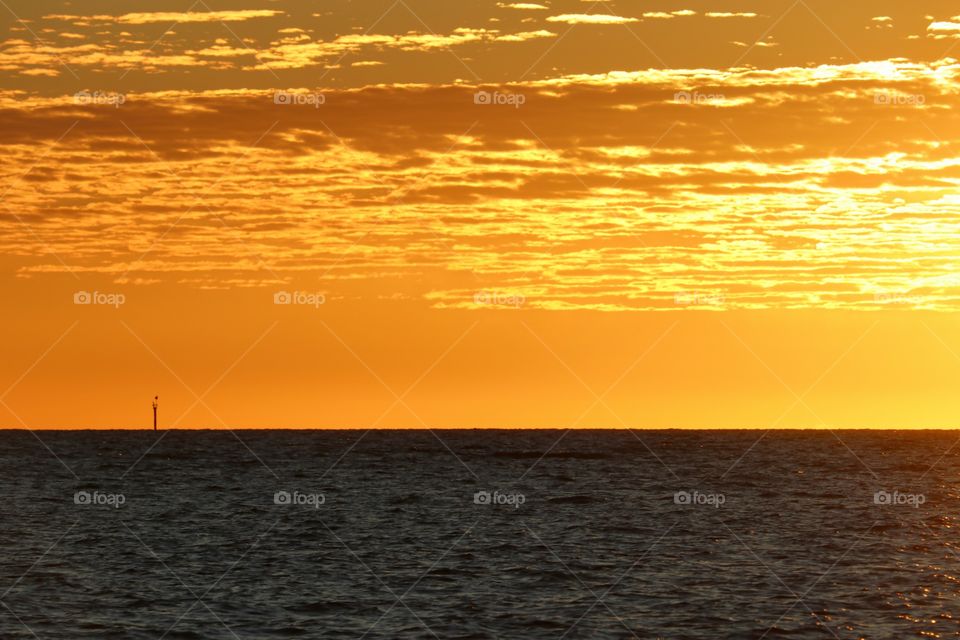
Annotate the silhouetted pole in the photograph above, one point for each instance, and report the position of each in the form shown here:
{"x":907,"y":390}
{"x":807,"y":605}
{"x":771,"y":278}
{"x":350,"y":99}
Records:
{"x":155,"y":399}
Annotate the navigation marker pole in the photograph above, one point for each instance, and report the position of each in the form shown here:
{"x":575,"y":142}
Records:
{"x":155,"y":399}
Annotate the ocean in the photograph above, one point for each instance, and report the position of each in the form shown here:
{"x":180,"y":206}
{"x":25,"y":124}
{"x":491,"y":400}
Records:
{"x":479,"y":534}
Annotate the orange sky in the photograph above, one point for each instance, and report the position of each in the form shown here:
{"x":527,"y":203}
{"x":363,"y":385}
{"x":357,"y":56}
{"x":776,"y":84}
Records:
{"x":597,"y":214}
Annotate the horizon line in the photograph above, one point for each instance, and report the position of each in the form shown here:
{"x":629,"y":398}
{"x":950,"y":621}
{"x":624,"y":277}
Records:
{"x":481,"y":428}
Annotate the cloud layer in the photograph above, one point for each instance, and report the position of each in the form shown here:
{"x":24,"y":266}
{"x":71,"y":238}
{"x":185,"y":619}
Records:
{"x":830,"y":186}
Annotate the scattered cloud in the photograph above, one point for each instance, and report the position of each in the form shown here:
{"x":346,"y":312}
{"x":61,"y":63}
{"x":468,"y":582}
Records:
{"x":726,"y":14}
{"x":944,"y":27}
{"x":171,"y":17}
{"x":622,"y":194}
{"x":590,"y":18}
{"x":295,"y":49}
{"x":666,"y":15}
{"x":765,"y":43}
{"x":524,"y":6}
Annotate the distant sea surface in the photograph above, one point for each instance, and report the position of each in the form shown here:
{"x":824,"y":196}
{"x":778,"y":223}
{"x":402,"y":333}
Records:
{"x":479,"y":534}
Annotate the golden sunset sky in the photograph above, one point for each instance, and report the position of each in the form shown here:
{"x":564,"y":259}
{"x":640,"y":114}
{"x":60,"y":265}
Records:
{"x":367,"y":213}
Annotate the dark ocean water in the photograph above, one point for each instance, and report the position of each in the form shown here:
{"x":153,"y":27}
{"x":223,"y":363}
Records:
{"x":119,"y":535}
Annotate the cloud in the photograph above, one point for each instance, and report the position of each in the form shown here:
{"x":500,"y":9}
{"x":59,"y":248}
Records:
{"x":664,"y":15}
{"x":526,"y":6}
{"x":171,"y":17}
{"x":685,"y":13}
{"x":611,"y":208}
{"x":726,"y":14}
{"x":303,"y":53}
{"x":294,"y":50}
{"x":526,"y":35}
{"x":39,"y":71}
{"x":768,"y":42}
{"x":944,"y":27}
{"x":222,"y":48}
{"x":27,"y":56}
{"x":591,"y":18}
